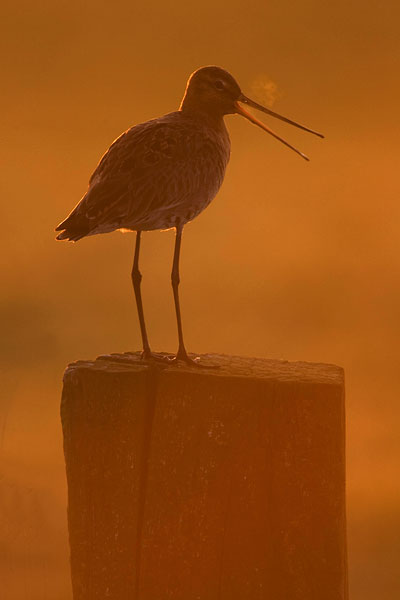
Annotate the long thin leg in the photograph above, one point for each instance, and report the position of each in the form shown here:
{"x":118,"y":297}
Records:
{"x":136,"y":279}
{"x":182,"y":354}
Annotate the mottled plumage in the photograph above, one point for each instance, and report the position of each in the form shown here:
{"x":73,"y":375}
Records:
{"x":163,"y":173}
{"x":157,"y":175}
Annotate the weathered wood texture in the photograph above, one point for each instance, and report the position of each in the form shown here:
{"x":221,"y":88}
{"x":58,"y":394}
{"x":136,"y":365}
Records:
{"x":201,"y":484}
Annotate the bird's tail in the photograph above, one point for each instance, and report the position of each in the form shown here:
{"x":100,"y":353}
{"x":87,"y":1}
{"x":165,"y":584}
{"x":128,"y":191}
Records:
{"x":71,"y":236}
{"x":73,"y":228}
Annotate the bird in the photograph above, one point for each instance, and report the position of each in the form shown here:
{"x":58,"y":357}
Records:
{"x":162,"y":173}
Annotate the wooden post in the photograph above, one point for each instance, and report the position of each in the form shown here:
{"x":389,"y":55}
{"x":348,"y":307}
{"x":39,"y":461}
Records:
{"x":205,"y":484}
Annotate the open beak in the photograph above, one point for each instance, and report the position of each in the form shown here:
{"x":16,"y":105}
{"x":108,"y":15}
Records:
{"x":241,"y":111}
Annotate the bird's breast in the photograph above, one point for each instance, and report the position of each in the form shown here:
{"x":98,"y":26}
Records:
{"x":207,"y":158}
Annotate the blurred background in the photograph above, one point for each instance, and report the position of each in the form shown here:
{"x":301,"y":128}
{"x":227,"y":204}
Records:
{"x":292,"y":260}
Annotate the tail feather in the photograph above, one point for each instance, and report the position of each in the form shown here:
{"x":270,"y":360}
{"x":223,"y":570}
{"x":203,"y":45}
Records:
{"x":71,"y":236}
{"x":73,"y":228}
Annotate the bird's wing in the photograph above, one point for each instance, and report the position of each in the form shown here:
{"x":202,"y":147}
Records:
{"x":144,"y":170}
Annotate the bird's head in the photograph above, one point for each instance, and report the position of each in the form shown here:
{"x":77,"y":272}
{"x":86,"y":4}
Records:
{"x":214,"y":92}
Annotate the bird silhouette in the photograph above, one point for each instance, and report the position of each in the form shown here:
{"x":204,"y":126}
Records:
{"x":162,"y":173}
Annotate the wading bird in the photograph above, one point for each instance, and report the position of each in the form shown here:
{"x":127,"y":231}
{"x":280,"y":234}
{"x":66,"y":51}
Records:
{"x":162,"y":173}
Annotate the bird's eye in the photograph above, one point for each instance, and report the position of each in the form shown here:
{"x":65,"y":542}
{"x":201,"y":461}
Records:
{"x":219,"y":85}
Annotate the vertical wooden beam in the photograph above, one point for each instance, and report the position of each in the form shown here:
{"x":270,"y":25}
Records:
{"x":210,"y":484}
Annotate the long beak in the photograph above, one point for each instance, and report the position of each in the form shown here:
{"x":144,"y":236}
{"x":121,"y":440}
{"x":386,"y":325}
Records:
{"x":241,"y":111}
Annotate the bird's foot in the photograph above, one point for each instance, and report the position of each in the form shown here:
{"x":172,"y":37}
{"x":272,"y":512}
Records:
{"x":182,"y":356}
{"x":157,"y":356}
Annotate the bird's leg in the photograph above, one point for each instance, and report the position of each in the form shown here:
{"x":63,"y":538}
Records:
{"x":136,"y":279}
{"x":182,"y":354}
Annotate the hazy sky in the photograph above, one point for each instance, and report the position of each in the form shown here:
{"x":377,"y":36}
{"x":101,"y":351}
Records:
{"x":292,"y":260}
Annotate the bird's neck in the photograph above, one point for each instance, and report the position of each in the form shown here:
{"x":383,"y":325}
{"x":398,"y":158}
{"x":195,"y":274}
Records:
{"x":197,"y":111}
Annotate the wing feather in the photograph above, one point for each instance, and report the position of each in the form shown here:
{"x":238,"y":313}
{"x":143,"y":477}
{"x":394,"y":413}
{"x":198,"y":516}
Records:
{"x":147,"y":177}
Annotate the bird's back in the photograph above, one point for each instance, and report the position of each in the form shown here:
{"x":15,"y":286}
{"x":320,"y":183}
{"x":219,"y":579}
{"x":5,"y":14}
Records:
{"x":156,"y":175}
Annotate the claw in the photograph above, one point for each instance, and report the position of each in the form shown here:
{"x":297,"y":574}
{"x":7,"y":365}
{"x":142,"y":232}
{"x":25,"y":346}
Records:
{"x":182,"y":356}
{"x":189,"y":361}
{"x":148,"y":355}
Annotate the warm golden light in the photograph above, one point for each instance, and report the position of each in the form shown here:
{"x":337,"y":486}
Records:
{"x":289,"y":261}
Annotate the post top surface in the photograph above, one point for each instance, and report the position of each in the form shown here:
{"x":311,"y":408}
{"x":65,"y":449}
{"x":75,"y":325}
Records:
{"x":223,"y":365}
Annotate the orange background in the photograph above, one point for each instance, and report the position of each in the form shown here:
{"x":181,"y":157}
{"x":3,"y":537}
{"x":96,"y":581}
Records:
{"x":292,"y":260}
